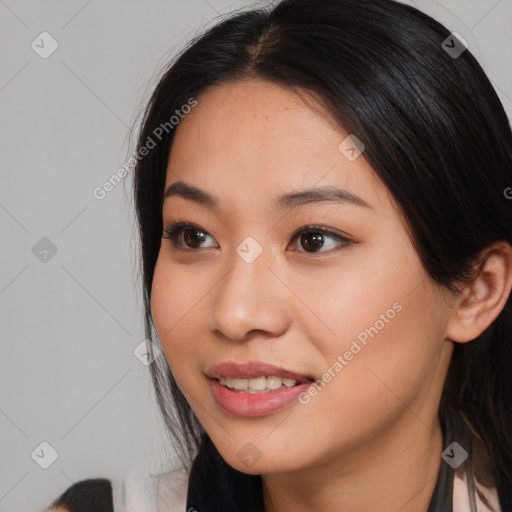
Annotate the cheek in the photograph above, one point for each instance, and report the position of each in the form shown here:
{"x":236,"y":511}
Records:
{"x":163,"y":303}
{"x":390,"y":356}
{"x":395,"y":372}
{"x":175,"y":304}
{"x":386,"y":325}
{"x":351,"y":299}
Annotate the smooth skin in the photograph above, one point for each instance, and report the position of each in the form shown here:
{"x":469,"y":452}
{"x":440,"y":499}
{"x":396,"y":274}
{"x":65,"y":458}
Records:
{"x":370,"y":440}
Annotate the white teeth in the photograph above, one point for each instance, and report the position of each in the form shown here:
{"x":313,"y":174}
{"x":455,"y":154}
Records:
{"x":257,"y":384}
{"x":240,"y":383}
{"x":274,"y":382}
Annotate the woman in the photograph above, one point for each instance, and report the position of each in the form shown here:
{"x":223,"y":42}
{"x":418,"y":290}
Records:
{"x":321,"y":192}
{"x":286,"y":100}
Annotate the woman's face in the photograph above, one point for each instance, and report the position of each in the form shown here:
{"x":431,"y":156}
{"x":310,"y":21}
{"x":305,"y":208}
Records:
{"x":357,"y":314}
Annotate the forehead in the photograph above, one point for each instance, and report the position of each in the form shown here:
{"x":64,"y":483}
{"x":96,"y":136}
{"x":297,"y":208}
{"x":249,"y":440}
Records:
{"x":261,"y":115}
{"x":254,"y":139}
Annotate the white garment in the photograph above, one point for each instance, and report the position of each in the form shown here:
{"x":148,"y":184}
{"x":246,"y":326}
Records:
{"x":486,"y":498}
{"x":151,"y":485}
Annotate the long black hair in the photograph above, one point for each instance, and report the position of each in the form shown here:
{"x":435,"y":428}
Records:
{"x":434,"y":131}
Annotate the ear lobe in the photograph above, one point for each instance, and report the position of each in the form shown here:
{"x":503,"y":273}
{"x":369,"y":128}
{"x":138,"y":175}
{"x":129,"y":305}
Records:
{"x":481,"y":301}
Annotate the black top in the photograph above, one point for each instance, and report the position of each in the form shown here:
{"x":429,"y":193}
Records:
{"x":90,"y":495}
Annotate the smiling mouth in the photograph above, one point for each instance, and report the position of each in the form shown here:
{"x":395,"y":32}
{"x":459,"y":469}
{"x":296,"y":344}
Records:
{"x":258,"y":385}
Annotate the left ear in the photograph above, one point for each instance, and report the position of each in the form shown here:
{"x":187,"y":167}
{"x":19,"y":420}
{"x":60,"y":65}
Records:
{"x":481,"y":301}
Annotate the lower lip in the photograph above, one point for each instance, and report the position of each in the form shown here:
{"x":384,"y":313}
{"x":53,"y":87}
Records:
{"x":238,"y":403}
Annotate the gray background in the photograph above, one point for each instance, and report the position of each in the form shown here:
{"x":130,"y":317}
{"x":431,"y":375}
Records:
{"x":70,"y":323}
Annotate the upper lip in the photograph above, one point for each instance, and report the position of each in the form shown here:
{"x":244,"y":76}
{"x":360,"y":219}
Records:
{"x":253,"y":369}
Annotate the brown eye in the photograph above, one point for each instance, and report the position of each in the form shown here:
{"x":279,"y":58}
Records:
{"x":314,"y":238}
{"x":184,"y":235}
{"x":311,"y":240}
{"x":193,"y":237}
{"x":188,"y":236}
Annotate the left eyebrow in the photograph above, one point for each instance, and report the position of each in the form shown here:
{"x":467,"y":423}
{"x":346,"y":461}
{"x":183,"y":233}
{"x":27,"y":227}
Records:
{"x":326,"y":194}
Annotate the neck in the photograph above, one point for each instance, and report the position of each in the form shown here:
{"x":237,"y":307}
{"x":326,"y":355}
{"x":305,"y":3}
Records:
{"x":396,"y":472}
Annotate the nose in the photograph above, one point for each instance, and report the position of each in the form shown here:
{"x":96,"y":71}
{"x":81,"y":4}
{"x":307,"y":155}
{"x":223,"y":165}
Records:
{"x":250,"y":297}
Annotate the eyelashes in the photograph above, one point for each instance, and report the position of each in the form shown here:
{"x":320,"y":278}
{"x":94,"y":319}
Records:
{"x":176,"y":232}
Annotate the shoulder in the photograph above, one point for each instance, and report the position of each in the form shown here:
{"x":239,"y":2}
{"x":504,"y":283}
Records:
{"x":152,"y":484}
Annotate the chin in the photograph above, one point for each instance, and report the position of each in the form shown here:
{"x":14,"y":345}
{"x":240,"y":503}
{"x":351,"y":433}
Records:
{"x":254,"y":460}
